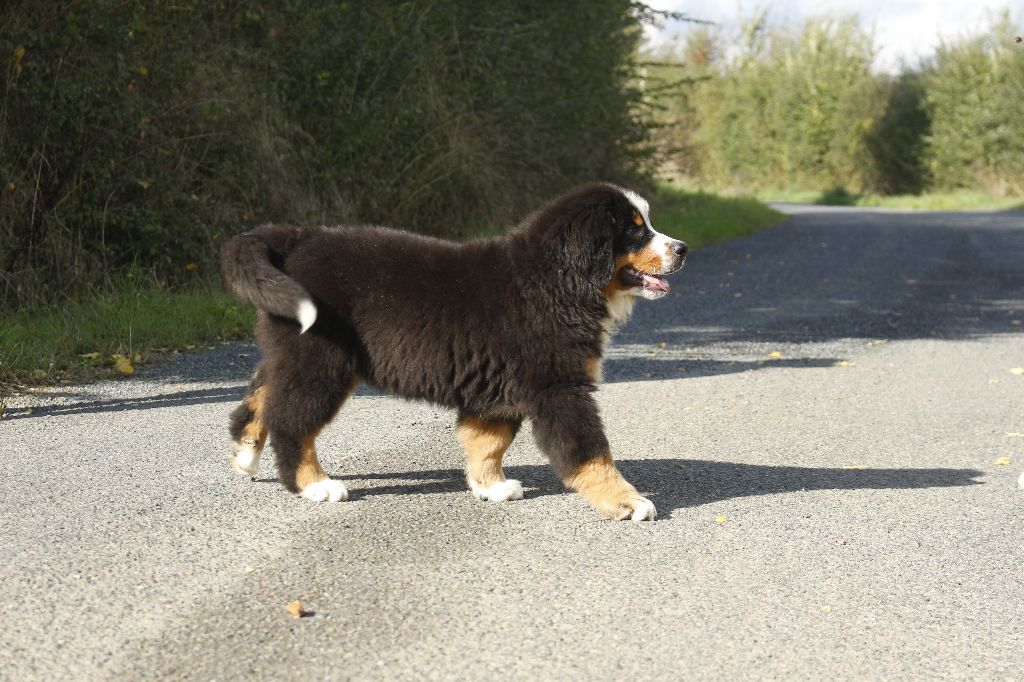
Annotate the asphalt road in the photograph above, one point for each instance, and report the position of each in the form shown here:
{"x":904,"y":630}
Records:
{"x":818,"y":412}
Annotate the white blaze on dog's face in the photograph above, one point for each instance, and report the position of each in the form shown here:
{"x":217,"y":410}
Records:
{"x":643,"y":256}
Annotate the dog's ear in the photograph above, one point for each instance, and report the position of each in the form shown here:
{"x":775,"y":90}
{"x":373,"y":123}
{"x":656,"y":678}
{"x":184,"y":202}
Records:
{"x":585,"y":244}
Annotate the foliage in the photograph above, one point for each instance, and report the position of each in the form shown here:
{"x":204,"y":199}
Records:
{"x":700,"y":219}
{"x":975,"y":98}
{"x":792,"y":108}
{"x":801,"y":107}
{"x":138,"y":134}
{"x":141,"y":321}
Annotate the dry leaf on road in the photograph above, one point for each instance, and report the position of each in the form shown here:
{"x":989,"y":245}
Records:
{"x":123,"y":364}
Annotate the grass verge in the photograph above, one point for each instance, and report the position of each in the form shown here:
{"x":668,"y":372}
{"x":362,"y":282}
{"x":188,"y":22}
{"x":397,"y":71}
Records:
{"x":960,"y":200}
{"x":700,"y":219}
{"x":108,"y":334}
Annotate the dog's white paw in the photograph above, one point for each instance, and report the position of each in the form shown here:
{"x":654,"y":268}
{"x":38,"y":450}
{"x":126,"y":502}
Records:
{"x":637,"y":509}
{"x":245,"y":459}
{"x":502,"y":491}
{"x":327,"y":490}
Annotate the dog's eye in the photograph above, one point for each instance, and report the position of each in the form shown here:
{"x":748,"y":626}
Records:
{"x":637,"y":218}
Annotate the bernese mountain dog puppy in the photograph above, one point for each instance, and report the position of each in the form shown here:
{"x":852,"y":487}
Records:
{"x":498,"y":329}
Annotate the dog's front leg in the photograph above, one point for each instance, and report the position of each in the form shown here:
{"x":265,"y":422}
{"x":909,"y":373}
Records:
{"x":568,"y":429}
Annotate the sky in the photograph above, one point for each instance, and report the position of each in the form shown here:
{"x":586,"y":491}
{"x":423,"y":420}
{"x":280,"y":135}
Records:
{"x":905,"y":30}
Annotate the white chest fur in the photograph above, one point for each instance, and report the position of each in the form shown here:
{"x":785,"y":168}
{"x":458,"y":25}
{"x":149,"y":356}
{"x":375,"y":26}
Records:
{"x":620,"y":307}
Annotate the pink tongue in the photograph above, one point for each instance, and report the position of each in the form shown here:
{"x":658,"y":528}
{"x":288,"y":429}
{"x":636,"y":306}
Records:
{"x":655,"y":283}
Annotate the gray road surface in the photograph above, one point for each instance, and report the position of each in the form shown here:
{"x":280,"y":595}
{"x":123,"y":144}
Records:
{"x":817,"y":411}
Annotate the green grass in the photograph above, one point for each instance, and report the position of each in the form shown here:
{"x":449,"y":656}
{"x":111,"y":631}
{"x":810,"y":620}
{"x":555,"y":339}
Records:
{"x":79,"y":340}
{"x":960,"y":200}
{"x":700,"y":219}
{"x":141,"y":323}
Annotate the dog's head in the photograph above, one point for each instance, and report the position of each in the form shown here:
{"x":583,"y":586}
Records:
{"x":643,"y":256}
{"x":603,"y":233}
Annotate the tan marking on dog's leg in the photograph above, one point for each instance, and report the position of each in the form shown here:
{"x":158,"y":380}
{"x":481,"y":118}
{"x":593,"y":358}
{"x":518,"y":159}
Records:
{"x":592,"y":367}
{"x":604,"y":487}
{"x":313,"y":483}
{"x":245,"y":452}
{"x":485,"y":443}
{"x":309,"y":470}
{"x":310,"y":478}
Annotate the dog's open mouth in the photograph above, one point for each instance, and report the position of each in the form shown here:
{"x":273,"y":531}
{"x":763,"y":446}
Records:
{"x":632,"y":277}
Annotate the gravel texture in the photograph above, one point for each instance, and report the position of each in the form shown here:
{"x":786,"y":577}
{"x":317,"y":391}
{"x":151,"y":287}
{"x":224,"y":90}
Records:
{"x":817,"y":411}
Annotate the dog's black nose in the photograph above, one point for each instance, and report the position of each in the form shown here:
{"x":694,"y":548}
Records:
{"x":679,"y":249}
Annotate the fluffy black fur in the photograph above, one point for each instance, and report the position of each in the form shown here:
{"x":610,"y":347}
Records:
{"x":500,"y":328}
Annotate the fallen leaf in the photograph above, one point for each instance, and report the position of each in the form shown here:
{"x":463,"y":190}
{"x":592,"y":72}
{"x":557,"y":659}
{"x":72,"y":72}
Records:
{"x":1003,"y":461}
{"x":1017,"y":370}
{"x":137,"y":358}
{"x":123,"y":364}
{"x":248,"y":569}
{"x":1014,"y":434}
{"x":88,"y":356}
{"x":295,"y":608}
{"x":843,"y":363}
{"x":775,"y":355}
{"x":662,"y":344}
{"x":720,"y":519}
{"x":674,"y":466}
{"x":993,"y":381}
{"x":826,"y":609}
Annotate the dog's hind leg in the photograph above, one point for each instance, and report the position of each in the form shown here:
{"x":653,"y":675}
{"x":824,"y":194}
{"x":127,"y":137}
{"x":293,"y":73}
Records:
{"x":248,"y":430}
{"x":485,"y":442}
{"x":295,"y":414}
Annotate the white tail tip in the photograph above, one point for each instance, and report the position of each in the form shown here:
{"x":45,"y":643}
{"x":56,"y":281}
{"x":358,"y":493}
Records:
{"x":305,"y":314}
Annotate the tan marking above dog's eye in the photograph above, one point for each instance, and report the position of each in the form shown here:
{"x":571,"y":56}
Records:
{"x":637,"y":218}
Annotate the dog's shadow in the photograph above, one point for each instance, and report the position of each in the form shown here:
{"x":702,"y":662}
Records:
{"x":674,"y":484}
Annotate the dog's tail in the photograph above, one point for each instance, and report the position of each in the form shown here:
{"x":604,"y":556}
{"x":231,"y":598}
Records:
{"x":251,"y":264}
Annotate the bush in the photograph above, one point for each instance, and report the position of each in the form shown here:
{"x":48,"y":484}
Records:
{"x":792,"y":108}
{"x":137,"y":134}
{"x":974,"y":98}
{"x":799,"y":107}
